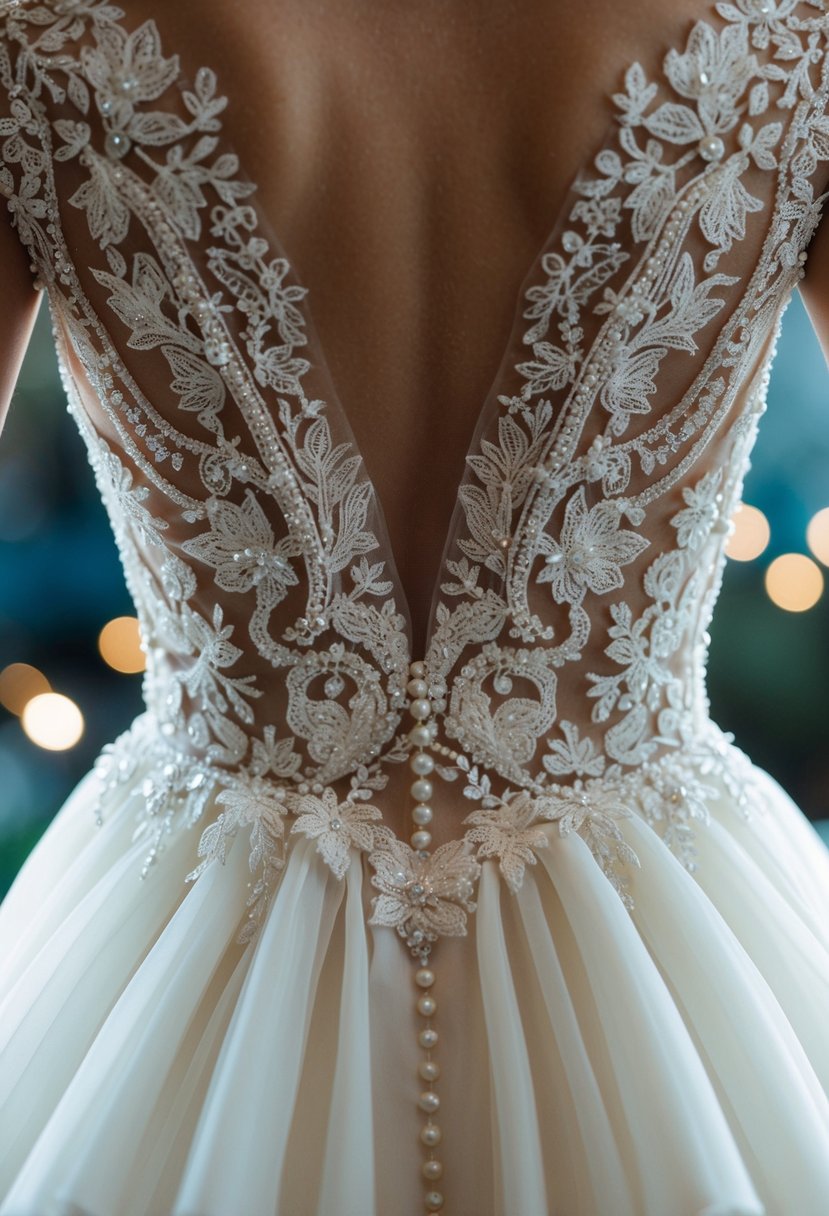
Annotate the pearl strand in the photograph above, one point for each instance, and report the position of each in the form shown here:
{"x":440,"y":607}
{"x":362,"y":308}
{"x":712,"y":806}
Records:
{"x":422,"y":736}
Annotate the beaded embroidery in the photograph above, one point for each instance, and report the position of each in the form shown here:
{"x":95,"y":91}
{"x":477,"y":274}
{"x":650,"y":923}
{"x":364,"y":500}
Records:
{"x":573,"y":465}
{"x":585,"y":552}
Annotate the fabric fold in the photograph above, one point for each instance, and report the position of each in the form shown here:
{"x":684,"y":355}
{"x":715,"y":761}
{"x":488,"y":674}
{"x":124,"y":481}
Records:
{"x":776,"y":1107}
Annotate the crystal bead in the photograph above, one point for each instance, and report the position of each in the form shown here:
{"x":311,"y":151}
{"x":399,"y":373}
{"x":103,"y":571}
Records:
{"x":125,"y":84}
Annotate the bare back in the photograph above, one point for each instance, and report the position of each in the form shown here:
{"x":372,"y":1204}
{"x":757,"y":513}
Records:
{"x":413,"y":161}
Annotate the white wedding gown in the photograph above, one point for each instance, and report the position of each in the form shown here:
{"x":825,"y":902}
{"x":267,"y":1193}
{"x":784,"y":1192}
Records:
{"x":227,"y":986}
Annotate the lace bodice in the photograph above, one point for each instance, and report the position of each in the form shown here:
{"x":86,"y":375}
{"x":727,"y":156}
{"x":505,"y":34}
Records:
{"x":566,"y":646}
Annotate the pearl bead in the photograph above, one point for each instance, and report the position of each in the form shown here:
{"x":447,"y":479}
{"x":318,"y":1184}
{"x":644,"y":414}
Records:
{"x":421,"y":840}
{"x":429,"y":1102}
{"x":417,"y":688}
{"x":417,"y":669}
{"x":430,"y":1135}
{"x":422,"y":764}
{"x":428,"y":1038}
{"x":432,"y":1170}
{"x":421,"y":707}
{"x":420,"y":735}
{"x":424,"y":977}
{"x":711,"y":148}
{"x":429,"y":1070}
{"x":421,"y":790}
{"x":117,"y":144}
{"x":426,"y":1005}
{"x":422,"y":815}
{"x":433,"y":1201}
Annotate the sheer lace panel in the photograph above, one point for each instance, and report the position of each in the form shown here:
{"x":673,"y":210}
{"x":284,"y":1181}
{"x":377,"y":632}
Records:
{"x":567,"y":636}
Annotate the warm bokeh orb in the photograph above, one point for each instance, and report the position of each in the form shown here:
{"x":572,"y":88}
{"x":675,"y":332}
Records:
{"x":120,"y":645}
{"x":751,"y":534}
{"x":19,"y":682}
{"x":794,"y":582}
{"x":53,"y":721}
{"x":817,"y":535}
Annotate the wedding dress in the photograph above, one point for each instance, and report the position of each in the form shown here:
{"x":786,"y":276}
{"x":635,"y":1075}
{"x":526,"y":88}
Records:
{"x":229,"y":987}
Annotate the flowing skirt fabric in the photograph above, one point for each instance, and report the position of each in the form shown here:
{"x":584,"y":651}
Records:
{"x":670,"y":1060}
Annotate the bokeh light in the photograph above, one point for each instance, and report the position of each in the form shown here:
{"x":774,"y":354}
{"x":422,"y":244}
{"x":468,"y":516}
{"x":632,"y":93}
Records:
{"x":19,"y":682}
{"x":53,"y":721}
{"x":794,"y":582}
{"x":817,"y":535}
{"x":751,"y":534}
{"x":120,"y":645}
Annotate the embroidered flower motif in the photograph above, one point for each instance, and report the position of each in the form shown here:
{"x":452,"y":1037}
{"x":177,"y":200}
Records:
{"x":248,"y":801}
{"x":600,"y":216}
{"x":631,"y":379}
{"x":592,"y":810}
{"x":573,"y":755}
{"x":261,"y":805}
{"x":211,"y":651}
{"x":338,"y":827}
{"x":125,"y":70}
{"x":589,"y":553}
{"x":270,"y":755}
{"x":765,"y":18}
{"x":669,"y":801}
{"x":510,"y":832}
{"x":695,"y":521}
{"x":240,"y":546}
{"x":714,"y":72}
{"x":423,"y":898}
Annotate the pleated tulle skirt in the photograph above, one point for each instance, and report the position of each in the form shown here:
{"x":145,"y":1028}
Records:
{"x":671,"y":1060}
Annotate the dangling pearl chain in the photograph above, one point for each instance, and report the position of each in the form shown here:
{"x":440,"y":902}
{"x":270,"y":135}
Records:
{"x":422,"y":736}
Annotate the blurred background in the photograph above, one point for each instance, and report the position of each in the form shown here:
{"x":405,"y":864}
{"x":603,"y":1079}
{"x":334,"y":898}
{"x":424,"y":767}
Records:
{"x":69,"y":657}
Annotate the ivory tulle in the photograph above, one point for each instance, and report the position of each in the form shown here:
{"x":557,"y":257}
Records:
{"x":669,"y":1061}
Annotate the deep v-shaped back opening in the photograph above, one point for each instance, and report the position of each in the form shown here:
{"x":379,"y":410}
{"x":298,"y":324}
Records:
{"x":510,"y":304}
{"x":253,"y":539}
